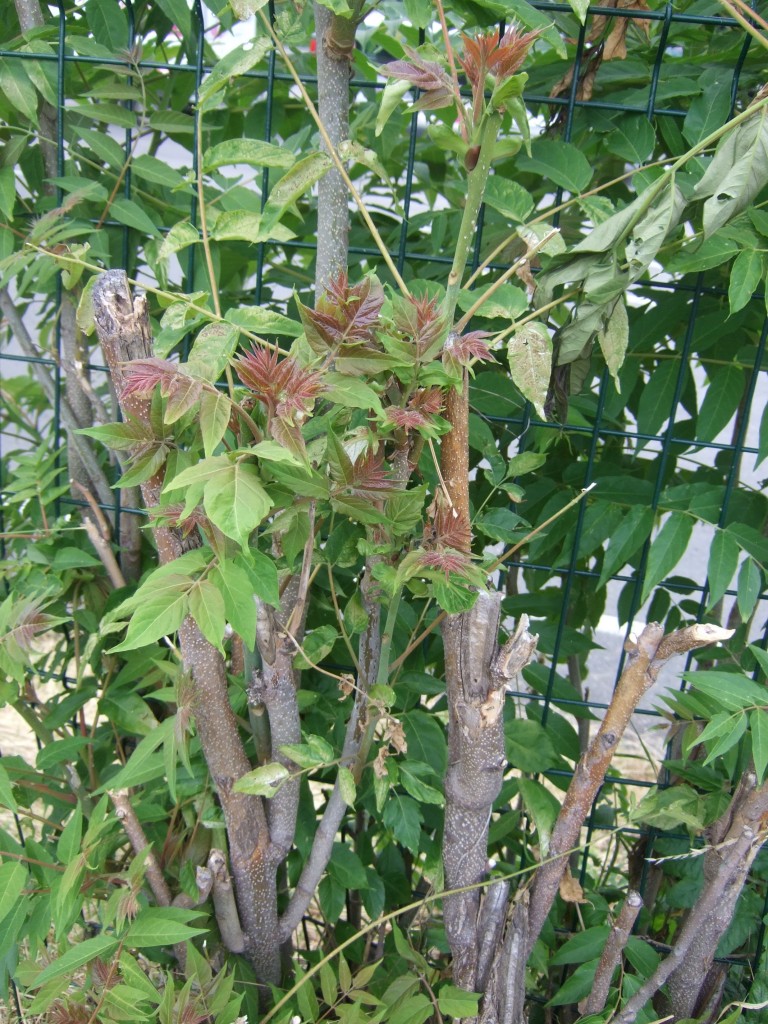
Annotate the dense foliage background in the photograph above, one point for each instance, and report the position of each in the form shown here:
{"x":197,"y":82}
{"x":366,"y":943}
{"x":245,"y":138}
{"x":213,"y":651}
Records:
{"x":116,"y":121}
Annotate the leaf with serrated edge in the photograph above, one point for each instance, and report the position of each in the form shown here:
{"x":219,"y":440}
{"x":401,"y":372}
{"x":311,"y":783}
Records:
{"x":236,"y":501}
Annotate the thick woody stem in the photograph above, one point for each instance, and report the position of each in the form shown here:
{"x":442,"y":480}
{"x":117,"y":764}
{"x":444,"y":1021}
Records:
{"x":123,"y":330}
{"x":335,"y":37}
{"x":689,"y":983}
{"x":477,"y":673}
{"x":609,"y":959}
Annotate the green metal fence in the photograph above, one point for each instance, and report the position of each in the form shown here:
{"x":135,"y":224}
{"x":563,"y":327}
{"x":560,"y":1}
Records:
{"x":682,"y":317}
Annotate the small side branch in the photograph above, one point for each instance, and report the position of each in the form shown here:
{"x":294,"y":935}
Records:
{"x":611,"y":955}
{"x":357,"y":742}
{"x":132,"y":826}
{"x":224,"y":905}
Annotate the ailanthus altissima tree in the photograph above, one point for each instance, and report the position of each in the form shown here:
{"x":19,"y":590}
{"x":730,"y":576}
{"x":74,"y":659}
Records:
{"x":305,"y":789}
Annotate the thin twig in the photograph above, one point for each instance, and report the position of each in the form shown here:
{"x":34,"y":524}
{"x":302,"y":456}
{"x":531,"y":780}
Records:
{"x":530,"y":251}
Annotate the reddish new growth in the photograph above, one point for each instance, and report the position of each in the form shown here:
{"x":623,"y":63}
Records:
{"x":448,"y":562}
{"x":488,"y":55}
{"x":369,"y":477}
{"x":425,"y":75}
{"x":423,"y":404}
{"x":421,"y":321}
{"x":287,"y":390}
{"x":173,"y":515}
{"x":143,"y":375}
{"x":345,"y":315}
{"x":462,"y":349}
{"x":447,"y":542}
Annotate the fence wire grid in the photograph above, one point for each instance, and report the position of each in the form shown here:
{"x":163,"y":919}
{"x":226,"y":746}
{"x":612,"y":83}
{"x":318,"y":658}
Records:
{"x":71,"y":42}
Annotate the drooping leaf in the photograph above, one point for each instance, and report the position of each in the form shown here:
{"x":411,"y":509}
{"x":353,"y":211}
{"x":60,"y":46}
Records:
{"x":748,"y":588}
{"x":263,"y":321}
{"x":292,"y":186}
{"x":236,"y":589}
{"x":77,"y":956}
{"x":253,"y":152}
{"x":758,"y":725}
{"x":542,"y":806}
{"x":237,"y":62}
{"x":508,"y":198}
{"x":656,"y":397}
{"x":731,"y":690}
{"x":236,"y":501}
{"x":151,"y":168}
{"x":264,"y":781}
{"x":212,"y":350}
{"x":562,"y":163}
{"x":215,"y":411}
{"x":614,"y":339}
{"x":206,"y":606}
{"x":738,"y":171}
{"x":530,"y":363}
{"x":402,"y":815}
{"x":162,"y":926}
{"x":128,"y":212}
{"x":159,"y":615}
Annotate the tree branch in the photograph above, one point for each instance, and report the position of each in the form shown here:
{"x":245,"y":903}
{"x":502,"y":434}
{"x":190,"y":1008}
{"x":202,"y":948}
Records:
{"x":354,"y":754}
{"x":124,"y":333}
{"x":335,"y":37}
{"x":154,"y":875}
{"x":477,"y":673}
{"x":611,"y":955}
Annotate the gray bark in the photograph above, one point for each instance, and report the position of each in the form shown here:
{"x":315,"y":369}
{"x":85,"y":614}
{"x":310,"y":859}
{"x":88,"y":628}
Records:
{"x":357,"y":740}
{"x":689,"y":984}
{"x":335,"y":45}
{"x":123,"y":329}
{"x":611,"y":955}
{"x":477,"y":673}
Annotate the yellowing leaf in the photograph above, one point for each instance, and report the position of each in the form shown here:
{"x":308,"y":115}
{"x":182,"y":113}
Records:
{"x":530,"y":363}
